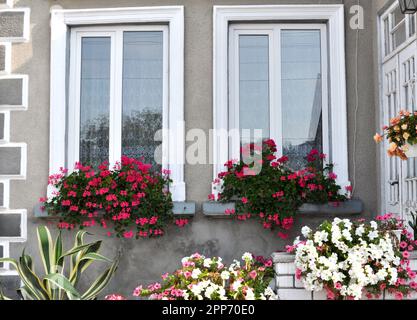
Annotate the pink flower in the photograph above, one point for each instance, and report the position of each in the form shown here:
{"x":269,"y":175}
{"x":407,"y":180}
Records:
{"x":283,"y":235}
{"x":399,"y":295}
{"x":253,"y":274}
{"x":137,"y":292}
{"x":187,"y":274}
{"x":403,"y":245}
{"x":128,"y":234}
{"x":338,"y":285}
{"x":298,"y":274}
{"x":114,"y":297}
{"x":164,"y":276}
{"x":406,"y":254}
{"x":244,"y":200}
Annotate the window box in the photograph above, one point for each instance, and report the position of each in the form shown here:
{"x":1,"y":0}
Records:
{"x":351,"y":207}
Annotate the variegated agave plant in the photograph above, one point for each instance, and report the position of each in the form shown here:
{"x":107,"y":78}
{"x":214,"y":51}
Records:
{"x":60,"y":282}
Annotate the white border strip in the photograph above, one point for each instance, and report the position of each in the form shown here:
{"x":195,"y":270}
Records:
{"x":7,"y":58}
{"x":26,"y":26}
{"x":25,"y":92}
{"x":23,"y":225}
{"x":334,"y":15}
{"x":6,"y":193}
{"x":6,"y":254}
{"x":6,"y":127}
{"x":23,"y":161}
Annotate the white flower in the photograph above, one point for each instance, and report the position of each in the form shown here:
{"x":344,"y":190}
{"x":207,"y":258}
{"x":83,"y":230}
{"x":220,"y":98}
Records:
{"x":306,"y":231}
{"x":249,"y":294}
{"x":225,"y":275}
{"x":207,"y":262}
{"x":360,"y":230}
{"x":374,"y":225}
{"x":236,"y":285}
{"x":196,"y":272}
{"x":373,"y":235}
{"x":247,"y":256}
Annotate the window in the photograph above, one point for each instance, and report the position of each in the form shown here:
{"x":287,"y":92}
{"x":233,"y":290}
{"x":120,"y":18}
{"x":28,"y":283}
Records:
{"x":278,"y":81}
{"x":271,"y":72}
{"x":398,"y":28}
{"x":117,"y":93}
{"x":117,"y":77}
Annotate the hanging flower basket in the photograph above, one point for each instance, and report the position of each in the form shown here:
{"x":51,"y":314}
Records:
{"x":401,"y":134}
{"x":411,"y":150}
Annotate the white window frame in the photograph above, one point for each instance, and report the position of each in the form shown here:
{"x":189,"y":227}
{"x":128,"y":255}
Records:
{"x":333,"y":16}
{"x":388,"y":15}
{"x":173,"y":141}
{"x":275,"y":109}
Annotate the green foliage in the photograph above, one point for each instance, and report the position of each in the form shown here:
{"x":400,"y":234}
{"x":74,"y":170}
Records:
{"x":131,"y":196}
{"x":60,"y":281}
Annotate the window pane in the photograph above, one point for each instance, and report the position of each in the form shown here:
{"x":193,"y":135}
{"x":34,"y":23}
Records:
{"x":142,"y":93}
{"x":301,"y":94}
{"x":412,"y":24}
{"x":399,"y":35}
{"x":254,"y":84}
{"x":95,"y":99}
{"x":397,"y":16}
{"x":386,"y":36}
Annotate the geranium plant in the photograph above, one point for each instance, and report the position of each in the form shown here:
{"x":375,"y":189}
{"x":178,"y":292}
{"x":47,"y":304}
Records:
{"x":202,"y":278}
{"x":276,"y":193}
{"x":352,"y":259}
{"x":131,"y":196}
{"x":401,"y":133}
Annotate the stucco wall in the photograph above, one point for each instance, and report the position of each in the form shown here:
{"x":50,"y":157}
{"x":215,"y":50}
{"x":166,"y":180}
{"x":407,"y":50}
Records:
{"x":145,"y":260}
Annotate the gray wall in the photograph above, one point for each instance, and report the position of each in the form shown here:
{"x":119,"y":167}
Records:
{"x":145,"y":260}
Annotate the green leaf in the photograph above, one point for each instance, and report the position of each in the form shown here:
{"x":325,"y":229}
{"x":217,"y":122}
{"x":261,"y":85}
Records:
{"x":101,"y":282}
{"x":45,"y":247}
{"x":62,"y":282}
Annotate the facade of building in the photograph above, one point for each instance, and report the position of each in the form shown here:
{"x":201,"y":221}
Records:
{"x":324,"y":74}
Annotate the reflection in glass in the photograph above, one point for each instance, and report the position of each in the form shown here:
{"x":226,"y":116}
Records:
{"x":142,"y":93}
{"x":301,"y":94}
{"x":94,"y":100}
{"x":253,"y":85}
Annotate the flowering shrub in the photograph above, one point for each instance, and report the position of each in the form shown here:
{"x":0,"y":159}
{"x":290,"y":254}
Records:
{"x":276,"y":193}
{"x":114,"y":297}
{"x":349,"y":259}
{"x":202,"y":278}
{"x":131,"y":196}
{"x":401,"y":131}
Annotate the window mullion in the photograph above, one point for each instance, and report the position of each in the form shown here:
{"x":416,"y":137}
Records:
{"x":116,"y":88}
{"x":276,"y":89}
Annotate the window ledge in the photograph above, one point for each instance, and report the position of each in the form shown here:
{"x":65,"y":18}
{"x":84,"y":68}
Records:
{"x":347,"y":208}
{"x":180,"y":209}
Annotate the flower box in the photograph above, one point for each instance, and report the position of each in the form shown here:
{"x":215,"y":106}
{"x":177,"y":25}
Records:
{"x":352,"y":207}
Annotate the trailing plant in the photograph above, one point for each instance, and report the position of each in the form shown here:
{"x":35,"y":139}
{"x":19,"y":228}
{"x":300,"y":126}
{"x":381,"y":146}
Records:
{"x":400,"y":133}
{"x":131,"y":196}
{"x":63,"y":269}
{"x":202,"y":278}
{"x":351,"y":259}
{"x":275,"y":193}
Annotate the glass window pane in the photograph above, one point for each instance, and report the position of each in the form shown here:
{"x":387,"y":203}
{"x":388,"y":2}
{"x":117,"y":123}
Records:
{"x":95,"y":99}
{"x":301,"y":94}
{"x":142,"y":93}
{"x":386,"y":36}
{"x":397,"y":16}
{"x":399,"y":35}
{"x":254,"y":84}
{"x":412,"y":24}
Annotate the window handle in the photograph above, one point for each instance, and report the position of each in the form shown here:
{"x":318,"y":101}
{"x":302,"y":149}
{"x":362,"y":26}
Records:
{"x":393,"y":183}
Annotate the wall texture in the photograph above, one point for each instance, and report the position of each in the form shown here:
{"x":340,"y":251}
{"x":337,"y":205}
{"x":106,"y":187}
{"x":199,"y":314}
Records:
{"x":145,"y":260}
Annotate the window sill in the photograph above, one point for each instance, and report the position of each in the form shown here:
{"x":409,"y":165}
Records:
{"x":345,"y":209}
{"x":180,"y":209}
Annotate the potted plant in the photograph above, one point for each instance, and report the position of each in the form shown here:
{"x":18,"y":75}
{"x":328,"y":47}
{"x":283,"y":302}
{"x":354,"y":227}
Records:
{"x":352,"y":259}
{"x":401,"y":134}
